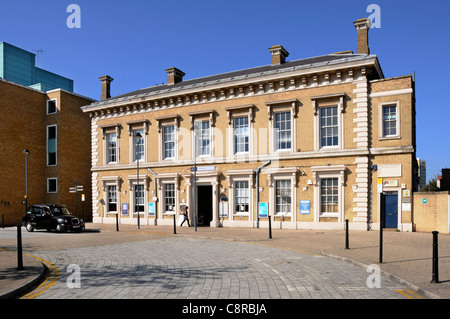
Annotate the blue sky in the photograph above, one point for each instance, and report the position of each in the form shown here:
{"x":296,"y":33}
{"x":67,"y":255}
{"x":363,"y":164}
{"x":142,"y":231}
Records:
{"x":134,"y":41}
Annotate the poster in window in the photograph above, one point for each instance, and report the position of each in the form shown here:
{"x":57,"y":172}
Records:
{"x":124,"y":208}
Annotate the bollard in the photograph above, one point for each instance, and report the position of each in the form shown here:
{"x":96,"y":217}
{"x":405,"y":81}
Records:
{"x":19,"y":248}
{"x":174,"y":223}
{"x":346,"y":234}
{"x":117,"y":222}
{"x":435,"y":278}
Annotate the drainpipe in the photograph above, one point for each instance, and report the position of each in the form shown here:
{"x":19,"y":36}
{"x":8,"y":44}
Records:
{"x":257,"y":170}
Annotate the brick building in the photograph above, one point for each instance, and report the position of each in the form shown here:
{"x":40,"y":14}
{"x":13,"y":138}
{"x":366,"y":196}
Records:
{"x":48,"y":122}
{"x":312,"y":142}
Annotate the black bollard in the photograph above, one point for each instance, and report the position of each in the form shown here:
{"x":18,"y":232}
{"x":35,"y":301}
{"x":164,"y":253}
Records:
{"x":174,"y":224}
{"x":435,"y":278}
{"x":19,"y":248}
{"x":117,"y":222}
{"x":346,"y":234}
{"x":270,"y":227}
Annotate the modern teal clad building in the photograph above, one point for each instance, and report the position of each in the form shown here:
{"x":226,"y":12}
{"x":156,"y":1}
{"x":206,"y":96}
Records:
{"x":19,"y":66}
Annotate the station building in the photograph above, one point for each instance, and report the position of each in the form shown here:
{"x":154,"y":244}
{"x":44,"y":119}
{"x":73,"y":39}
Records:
{"x":308,"y":143}
{"x":44,"y":138}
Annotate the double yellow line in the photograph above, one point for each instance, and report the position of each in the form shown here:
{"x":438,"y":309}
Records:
{"x":49,"y":281}
{"x":409,"y":294}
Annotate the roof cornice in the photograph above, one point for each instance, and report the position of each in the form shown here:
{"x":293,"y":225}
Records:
{"x":198,"y":89}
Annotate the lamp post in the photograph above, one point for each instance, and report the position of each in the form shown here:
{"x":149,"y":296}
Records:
{"x":195,"y":176}
{"x":26,"y":152}
{"x":257,"y":170}
{"x":136,"y":195}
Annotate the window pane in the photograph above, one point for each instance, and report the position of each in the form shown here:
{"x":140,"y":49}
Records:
{"x":283,"y":196}
{"x":283,"y":130}
{"x":203,"y":138}
{"x":112,"y":199}
{"x":51,"y":185}
{"x":241,"y":134}
{"x":139,"y":198}
{"x":329,"y":132}
{"x":138,"y":145}
{"x":241,"y":197}
{"x":112,"y":147}
{"x":51,"y":145}
{"x":329,"y":199}
{"x":169,"y":197}
{"x":51,"y":106}
{"x":389,"y":120}
{"x":169,"y":141}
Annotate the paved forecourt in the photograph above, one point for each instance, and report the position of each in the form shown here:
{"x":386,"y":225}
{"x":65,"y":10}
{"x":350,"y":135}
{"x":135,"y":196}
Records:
{"x":188,"y":267}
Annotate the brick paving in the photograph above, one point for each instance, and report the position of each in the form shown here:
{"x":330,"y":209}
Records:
{"x":229,"y":263}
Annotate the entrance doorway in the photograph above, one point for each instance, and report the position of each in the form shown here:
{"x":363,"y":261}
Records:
{"x":204,"y":205}
{"x":390,"y":209}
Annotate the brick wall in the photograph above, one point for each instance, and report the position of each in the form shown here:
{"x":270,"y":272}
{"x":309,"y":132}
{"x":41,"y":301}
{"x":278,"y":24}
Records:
{"x":431,"y":211}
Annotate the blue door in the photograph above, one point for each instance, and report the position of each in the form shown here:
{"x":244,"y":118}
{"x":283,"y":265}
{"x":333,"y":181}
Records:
{"x":390,"y":210}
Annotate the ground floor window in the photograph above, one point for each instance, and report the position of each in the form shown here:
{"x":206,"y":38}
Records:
{"x":329,"y":196}
{"x":283,"y":196}
{"x":139,"y":198}
{"x":241,"y":197}
{"x":112,"y":199}
{"x":169,"y":198}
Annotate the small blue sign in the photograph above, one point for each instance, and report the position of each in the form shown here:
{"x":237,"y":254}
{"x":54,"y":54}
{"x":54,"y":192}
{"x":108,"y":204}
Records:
{"x":263,"y":210}
{"x":124,"y":208}
{"x":151,"y":209}
{"x":305,"y":206}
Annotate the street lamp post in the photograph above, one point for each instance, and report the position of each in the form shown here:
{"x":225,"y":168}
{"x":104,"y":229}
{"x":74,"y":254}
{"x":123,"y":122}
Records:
{"x":257,"y":170}
{"x":136,"y":195}
{"x":26,"y":152}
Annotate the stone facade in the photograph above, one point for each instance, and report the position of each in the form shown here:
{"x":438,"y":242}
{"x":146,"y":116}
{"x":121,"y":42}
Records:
{"x":332,"y":128}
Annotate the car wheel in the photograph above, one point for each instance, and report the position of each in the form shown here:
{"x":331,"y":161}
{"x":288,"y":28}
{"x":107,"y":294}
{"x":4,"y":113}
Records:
{"x":59,"y":228}
{"x":29,"y":227}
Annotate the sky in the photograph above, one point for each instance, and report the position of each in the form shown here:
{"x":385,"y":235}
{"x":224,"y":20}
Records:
{"x":134,"y":41}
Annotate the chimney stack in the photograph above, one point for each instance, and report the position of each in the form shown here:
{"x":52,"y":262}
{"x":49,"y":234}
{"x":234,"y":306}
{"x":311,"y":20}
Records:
{"x":175,"y":75}
{"x":363,"y":26}
{"x":279,"y":54}
{"x":106,"y":86}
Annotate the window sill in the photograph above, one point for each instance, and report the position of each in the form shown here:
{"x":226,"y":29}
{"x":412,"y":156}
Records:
{"x":329,"y":215}
{"x":241,"y":214}
{"x":386,"y":138}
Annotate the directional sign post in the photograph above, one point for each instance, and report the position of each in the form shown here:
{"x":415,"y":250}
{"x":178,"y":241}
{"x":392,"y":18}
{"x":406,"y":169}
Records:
{"x":76,"y":189}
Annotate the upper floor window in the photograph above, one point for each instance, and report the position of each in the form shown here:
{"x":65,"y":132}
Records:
{"x":203,"y":138}
{"x":169,"y":141}
{"x":329,"y":127}
{"x":52,"y":185}
{"x":283,"y":131}
{"x":390,"y":120}
{"x":241,"y":134}
{"x":51,"y":106}
{"x":111,"y":150}
{"x":51,"y":145}
{"x":138,"y":145}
